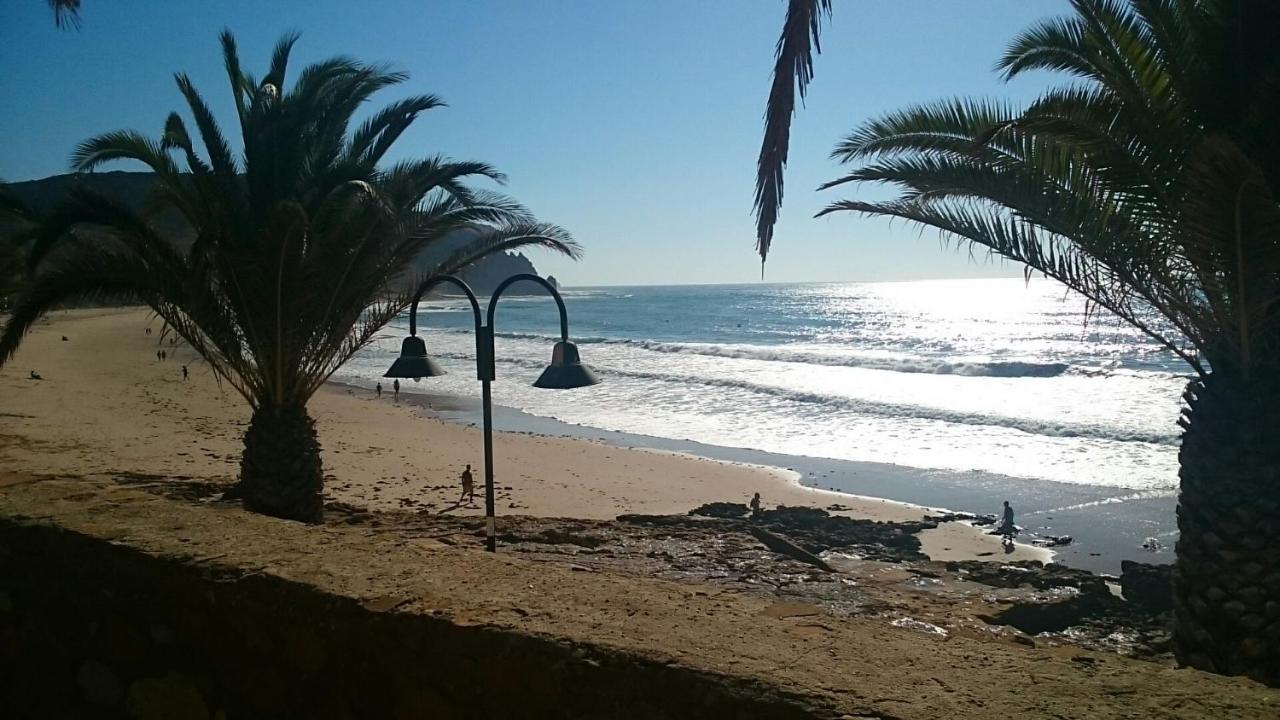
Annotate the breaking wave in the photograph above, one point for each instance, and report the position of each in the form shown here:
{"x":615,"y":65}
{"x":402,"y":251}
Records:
{"x":971,"y":368}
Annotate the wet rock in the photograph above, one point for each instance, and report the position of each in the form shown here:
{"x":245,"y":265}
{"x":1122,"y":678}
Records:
{"x":813,"y":529}
{"x":781,"y":545}
{"x":1052,"y":540}
{"x":1029,"y":572}
{"x":721,"y":510}
{"x":1147,"y":586}
{"x":908,"y":623}
{"x":1034,"y":618}
{"x":962,"y":517}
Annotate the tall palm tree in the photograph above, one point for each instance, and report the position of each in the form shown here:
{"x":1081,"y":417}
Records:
{"x":1150,"y":185}
{"x":295,"y":242}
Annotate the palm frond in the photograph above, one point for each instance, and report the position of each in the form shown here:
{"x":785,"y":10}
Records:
{"x":1139,"y":184}
{"x":66,"y":13}
{"x":296,"y":239}
{"x":792,"y":73}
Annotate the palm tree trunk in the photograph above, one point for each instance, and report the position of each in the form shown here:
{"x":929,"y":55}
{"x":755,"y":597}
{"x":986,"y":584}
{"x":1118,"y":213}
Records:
{"x":1227,"y":577}
{"x":280,"y":472}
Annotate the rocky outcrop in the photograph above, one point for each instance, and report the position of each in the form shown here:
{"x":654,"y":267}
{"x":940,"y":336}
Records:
{"x":813,"y":529}
{"x":1147,"y":586}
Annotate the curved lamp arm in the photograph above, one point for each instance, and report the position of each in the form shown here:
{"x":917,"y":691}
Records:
{"x":493,"y":303}
{"x":436,"y":280}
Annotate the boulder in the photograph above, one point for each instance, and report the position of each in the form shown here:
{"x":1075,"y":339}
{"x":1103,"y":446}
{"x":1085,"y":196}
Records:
{"x":1147,"y":586}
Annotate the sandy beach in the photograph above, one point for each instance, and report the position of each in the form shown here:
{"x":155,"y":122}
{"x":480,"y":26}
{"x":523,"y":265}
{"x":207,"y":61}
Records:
{"x":107,"y":406}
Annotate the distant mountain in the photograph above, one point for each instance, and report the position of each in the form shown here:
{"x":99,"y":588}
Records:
{"x":131,"y":188}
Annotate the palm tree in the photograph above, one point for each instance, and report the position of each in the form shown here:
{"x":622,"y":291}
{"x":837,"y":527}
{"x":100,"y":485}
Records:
{"x":1149,"y":185}
{"x":16,"y":220}
{"x":295,"y":242}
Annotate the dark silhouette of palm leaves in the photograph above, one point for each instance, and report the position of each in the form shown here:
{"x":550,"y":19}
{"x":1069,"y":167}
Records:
{"x":295,"y":240}
{"x":792,"y":71}
{"x":66,"y":13}
{"x":1147,"y":184}
{"x":16,"y":221}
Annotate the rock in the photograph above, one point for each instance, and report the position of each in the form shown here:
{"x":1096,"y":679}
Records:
{"x":721,"y":510}
{"x":1029,"y":572}
{"x":786,"y":547}
{"x":1052,"y":540}
{"x":909,"y":623}
{"x":99,"y":684}
{"x":791,"y":609}
{"x":1147,"y":586}
{"x":173,"y":697}
{"x":814,"y":530}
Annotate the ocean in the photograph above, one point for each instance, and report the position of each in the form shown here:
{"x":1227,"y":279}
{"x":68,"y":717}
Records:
{"x":1010,"y":386}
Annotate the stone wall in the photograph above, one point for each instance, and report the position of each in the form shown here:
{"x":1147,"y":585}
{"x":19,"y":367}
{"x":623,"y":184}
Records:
{"x":90,"y":628}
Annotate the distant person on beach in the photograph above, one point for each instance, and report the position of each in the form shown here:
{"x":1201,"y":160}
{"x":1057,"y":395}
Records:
{"x":378,"y":389}
{"x":157,"y":355}
{"x":184,"y":373}
{"x":395,"y":385}
{"x":468,"y":486}
{"x":1007,"y":528}
{"x":755,"y":506}
{"x":148,"y":331}
{"x":164,"y":355}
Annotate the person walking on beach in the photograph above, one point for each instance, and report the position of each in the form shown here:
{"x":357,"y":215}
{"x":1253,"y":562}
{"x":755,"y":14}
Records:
{"x":148,"y":331}
{"x":163,"y":356}
{"x":1007,"y":529}
{"x":184,"y":373}
{"x":468,"y":486}
{"x":378,"y":389}
{"x":755,"y":507}
{"x":395,"y":386}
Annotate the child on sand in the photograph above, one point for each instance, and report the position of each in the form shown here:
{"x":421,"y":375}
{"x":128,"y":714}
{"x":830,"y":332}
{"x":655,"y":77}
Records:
{"x":755,"y":506}
{"x":468,"y":486}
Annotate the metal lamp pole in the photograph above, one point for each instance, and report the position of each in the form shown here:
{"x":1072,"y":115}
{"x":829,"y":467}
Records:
{"x":566,"y":371}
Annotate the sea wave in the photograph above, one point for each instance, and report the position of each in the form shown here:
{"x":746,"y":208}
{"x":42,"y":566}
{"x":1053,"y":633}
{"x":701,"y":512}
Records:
{"x":934,"y":366}
{"x":826,"y":402}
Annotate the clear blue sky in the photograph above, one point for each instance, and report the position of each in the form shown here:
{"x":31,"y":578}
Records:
{"x":633,"y":124}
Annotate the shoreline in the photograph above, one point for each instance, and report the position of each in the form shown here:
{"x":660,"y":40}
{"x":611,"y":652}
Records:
{"x":1107,"y":525}
{"x":134,"y":415}
{"x":956,"y":540}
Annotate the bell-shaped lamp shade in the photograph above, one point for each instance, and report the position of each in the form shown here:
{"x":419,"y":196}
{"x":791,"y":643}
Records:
{"x":566,"y":370}
{"x":413,"y":361}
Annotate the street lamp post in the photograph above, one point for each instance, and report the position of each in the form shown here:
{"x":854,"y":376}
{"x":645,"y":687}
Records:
{"x":565,"y":372}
